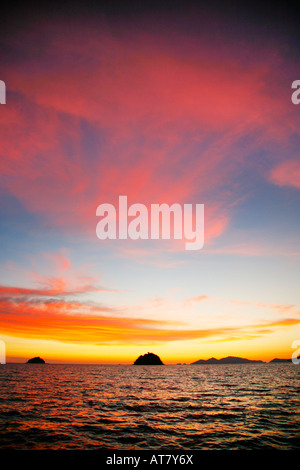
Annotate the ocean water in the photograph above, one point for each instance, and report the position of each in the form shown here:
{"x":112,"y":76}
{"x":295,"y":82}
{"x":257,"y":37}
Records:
{"x":52,"y":406}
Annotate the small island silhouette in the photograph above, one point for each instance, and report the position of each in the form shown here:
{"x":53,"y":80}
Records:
{"x":148,"y":359}
{"x":226,"y":360}
{"x":280,"y":360}
{"x":36,"y":360}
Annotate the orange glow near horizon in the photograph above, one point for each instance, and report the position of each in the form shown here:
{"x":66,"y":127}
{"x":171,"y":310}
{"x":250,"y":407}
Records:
{"x":56,"y":320}
{"x":257,"y":345}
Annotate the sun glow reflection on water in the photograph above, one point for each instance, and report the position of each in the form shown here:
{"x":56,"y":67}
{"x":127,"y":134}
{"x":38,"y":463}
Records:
{"x":55,"y":406}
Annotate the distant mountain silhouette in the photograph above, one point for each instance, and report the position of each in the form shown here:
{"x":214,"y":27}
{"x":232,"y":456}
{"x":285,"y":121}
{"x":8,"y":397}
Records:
{"x":148,"y":359}
{"x":36,"y":360}
{"x":280,"y":360}
{"x":226,"y":360}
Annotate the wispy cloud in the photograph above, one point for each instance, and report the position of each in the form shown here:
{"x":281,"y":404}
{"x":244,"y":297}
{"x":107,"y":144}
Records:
{"x":149,"y":123}
{"x":287,"y":173}
{"x":279,"y":308}
{"x":34,"y":313}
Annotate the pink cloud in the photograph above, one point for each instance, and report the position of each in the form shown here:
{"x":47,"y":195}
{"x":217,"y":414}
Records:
{"x":168,"y":126}
{"x":286,"y":174}
{"x":54,"y":275}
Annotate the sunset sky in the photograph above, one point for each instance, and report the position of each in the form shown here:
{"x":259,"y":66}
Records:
{"x":164,"y":105}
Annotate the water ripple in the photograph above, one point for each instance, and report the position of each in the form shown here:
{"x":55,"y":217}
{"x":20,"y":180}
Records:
{"x":126,"y":407}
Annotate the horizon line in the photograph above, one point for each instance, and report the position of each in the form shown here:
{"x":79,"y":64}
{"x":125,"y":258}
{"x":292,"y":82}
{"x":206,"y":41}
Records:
{"x":170,"y":364}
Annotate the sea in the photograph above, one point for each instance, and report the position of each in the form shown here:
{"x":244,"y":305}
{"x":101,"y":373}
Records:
{"x":126,"y":407}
